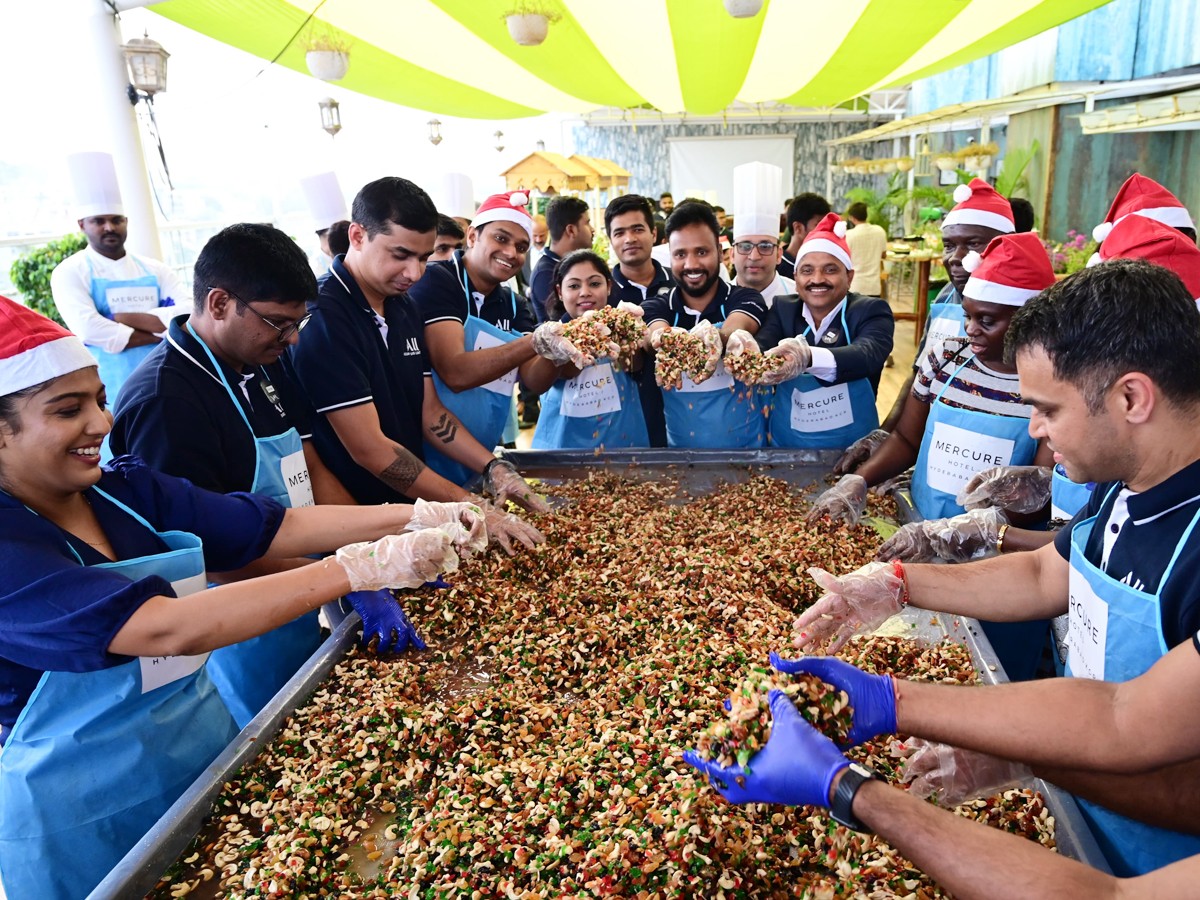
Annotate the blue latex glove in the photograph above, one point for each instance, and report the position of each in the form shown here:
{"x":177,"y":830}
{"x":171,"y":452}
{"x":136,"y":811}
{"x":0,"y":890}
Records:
{"x":384,"y":623}
{"x":796,"y":767}
{"x":873,"y":697}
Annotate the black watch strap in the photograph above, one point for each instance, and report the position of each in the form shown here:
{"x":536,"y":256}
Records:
{"x":842,"y":807}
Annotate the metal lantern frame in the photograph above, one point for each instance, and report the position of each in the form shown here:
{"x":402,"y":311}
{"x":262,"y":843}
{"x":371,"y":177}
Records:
{"x":146,"y":60}
{"x":331,"y":117}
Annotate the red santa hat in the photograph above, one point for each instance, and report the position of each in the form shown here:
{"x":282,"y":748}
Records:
{"x":1140,"y":237}
{"x":506,"y":207}
{"x":1142,"y":196}
{"x":34,"y":349}
{"x":828,"y":237}
{"x":1012,"y":269}
{"x":979,"y":204}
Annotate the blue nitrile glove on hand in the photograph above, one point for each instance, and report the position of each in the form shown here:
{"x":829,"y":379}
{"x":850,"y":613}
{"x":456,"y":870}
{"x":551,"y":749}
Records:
{"x":384,"y":623}
{"x":796,"y":767}
{"x":873,"y":697}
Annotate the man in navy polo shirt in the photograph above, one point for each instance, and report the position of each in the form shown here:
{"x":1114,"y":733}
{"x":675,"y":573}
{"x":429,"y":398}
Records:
{"x":636,"y":278}
{"x":803,"y":214}
{"x":570,"y":229}
{"x":364,"y":366}
{"x":478,"y":330}
{"x":1110,"y":361}
{"x":716,"y":411}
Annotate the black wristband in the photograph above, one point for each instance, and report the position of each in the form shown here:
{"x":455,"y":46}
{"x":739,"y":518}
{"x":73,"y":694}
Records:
{"x":496,"y":461}
{"x":842,"y":807}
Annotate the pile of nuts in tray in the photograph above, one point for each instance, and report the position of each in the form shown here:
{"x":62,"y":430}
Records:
{"x":534,"y":749}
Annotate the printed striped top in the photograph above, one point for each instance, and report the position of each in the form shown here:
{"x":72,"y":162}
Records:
{"x":975,"y":387}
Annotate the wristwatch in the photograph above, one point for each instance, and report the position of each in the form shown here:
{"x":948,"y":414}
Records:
{"x":843,"y":798}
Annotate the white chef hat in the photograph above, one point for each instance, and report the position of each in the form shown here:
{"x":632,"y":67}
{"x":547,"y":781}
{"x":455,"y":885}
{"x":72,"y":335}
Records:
{"x":454,"y":195}
{"x":757,"y":199}
{"x":94,"y":185}
{"x":324,"y":198}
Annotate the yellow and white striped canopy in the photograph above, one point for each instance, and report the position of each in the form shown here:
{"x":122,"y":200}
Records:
{"x":455,"y":57}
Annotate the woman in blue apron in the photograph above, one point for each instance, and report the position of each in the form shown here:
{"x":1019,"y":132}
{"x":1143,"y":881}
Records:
{"x":101,"y":731}
{"x":1115,"y":634}
{"x":115,"y":296}
{"x":484,"y":411}
{"x":718,"y":413}
{"x":597,"y":406}
{"x":807,"y":412}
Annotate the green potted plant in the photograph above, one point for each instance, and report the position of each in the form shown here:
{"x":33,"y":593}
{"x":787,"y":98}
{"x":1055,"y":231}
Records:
{"x":30,"y":273}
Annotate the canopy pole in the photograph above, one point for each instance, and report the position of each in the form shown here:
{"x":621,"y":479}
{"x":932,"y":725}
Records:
{"x":108,"y":120}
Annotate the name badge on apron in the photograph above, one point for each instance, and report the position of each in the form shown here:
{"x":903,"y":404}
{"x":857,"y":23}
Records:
{"x":160,"y":670}
{"x":506,"y":382}
{"x":592,"y":392}
{"x":822,"y":409}
{"x":721,"y":380}
{"x":294,"y":470}
{"x":1087,"y":629}
{"x":132,"y":298}
{"x":956,"y":454}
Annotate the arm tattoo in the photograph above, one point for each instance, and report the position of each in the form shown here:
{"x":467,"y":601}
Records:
{"x":401,"y":474}
{"x":445,"y":428}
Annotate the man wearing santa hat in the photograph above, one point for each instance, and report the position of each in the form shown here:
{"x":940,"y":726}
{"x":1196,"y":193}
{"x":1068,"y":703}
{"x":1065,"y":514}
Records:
{"x":979,"y":215}
{"x":365,"y":368}
{"x":117,"y":303}
{"x":478,"y":329}
{"x":832,"y":345}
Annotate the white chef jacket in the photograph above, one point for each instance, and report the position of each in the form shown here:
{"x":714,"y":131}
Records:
{"x":71,"y":285}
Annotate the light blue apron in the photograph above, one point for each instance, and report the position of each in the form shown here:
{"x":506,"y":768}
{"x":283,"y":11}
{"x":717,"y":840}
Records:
{"x":957,"y":444}
{"x":1067,"y":497}
{"x":719,"y":413}
{"x":599,"y":407}
{"x":946,"y":320}
{"x":1116,"y":634}
{"x":809,"y":413}
{"x":483,"y":410}
{"x":96,"y":758}
{"x":128,"y":295}
{"x":250,"y":673}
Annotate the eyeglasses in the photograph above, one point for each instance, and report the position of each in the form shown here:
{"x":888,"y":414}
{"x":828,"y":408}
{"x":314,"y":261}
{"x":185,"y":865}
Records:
{"x":284,"y":332}
{"x":764,"y":247}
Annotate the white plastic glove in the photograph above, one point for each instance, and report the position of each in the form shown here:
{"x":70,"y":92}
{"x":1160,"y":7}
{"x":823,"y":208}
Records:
{"x":967,"y":536}
{"x":951,"y":775}
{"x":714,"y":348}
{"x":398,"y":560}
{"x":852,"y":604}
{"x":549,"y":343}
{"x":846,"y":501}
{"x":505,"y":529}
{"x":859,"y":452}
{"x":742,"y":341}
{"x":502,"y":482}
{"x":909,"y":544}
{"x":464,"y":522}
{"x":1018,"y":489}
{"x":796,"y":356}
{"x":657,"y":334}
{"x":632,"y":308}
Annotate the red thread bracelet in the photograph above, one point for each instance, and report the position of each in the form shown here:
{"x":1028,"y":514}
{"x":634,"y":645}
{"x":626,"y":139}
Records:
{"x":898,"y":569}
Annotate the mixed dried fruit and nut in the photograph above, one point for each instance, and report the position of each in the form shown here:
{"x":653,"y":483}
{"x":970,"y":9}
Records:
{"x":679,"y":353}
{"x":749,"y":368}
{"x":534,"y":749}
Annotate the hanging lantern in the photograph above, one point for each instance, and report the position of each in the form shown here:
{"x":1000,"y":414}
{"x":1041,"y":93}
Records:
{"x":331,"y":118}
{"x":924,"y":160}
{"x":147,"y":64}
{"x":435,"y":132}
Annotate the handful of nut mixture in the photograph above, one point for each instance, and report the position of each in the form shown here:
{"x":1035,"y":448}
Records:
{"x":735,"y":740}
{"x":749,"y":368}
{"x":679,"y":353}
{"x":609,"y":332}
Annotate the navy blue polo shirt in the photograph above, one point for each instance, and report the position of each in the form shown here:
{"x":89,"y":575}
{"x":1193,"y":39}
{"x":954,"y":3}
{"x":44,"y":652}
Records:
{"x":729,"y":298}
{"x":786,"y":266}
{"x":176,"y":415}
{"x":343,"y":360}
{"x":630,"y":292}
{"x":1145,"y":543}
{"x":440,"y":296}
{"x":541,"y":284}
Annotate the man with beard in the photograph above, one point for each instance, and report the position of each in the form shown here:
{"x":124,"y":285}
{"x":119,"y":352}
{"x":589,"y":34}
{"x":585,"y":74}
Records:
{"x":636,"y":278}
{"x":710,"y":410}
{"x":119,"y":304}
